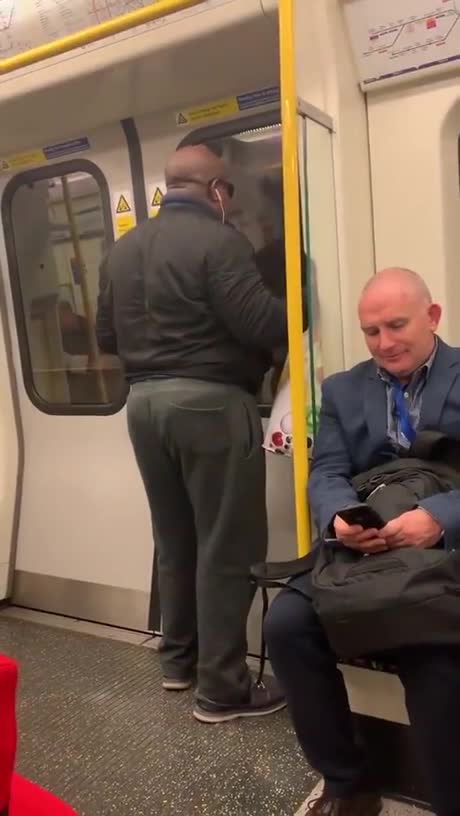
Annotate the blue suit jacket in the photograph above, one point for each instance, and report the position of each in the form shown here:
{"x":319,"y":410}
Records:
{"x":352,"y":436}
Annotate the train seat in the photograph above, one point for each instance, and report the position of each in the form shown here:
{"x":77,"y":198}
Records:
{"x":18,"y":796}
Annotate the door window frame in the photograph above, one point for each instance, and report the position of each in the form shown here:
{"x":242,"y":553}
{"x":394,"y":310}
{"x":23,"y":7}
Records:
{"x":30,"y":177}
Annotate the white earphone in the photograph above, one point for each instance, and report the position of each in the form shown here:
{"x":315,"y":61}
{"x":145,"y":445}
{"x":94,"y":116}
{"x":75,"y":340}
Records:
{"x":219,"y":198}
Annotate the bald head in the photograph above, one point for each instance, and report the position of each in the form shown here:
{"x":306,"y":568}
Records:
{"x":194,"y":163}
{"x":388,"y":282}
{"x":197,"y":172}
{"x":399,"y":320}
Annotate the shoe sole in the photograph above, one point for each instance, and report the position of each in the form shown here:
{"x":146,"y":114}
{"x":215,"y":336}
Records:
{"x":176,"y":685}
{"x":214,"y":718}
{"x":374,"y":812}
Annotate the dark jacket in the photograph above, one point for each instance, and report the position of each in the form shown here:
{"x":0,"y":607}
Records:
{"x":181,"y":296}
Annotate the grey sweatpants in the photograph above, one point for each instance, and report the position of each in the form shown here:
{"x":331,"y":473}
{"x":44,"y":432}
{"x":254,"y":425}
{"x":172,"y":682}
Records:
{"x":198,"y":447}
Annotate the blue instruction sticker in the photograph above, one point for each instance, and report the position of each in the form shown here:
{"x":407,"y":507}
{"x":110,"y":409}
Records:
{"x":55,"y":151}
{"x":266,"y":96}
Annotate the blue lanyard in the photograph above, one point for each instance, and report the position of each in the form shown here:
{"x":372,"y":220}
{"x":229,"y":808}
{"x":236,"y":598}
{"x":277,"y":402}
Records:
{"x":402,"y":411}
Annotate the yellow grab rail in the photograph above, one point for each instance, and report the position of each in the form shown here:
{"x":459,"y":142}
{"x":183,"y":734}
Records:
{"x":293,"y":243}
{"x":94,"y":359}
{"x":163,"y":8}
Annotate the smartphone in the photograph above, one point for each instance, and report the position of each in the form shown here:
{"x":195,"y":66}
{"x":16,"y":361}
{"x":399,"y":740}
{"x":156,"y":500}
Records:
{"x":364,"y":515}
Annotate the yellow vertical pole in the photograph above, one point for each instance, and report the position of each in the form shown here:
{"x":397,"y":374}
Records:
{"x":94,"y":359}
{"x":293,"y":245}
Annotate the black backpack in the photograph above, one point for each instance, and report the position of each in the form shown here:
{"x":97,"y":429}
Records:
{"x":403,"y":597}
{"x":375,"y":603}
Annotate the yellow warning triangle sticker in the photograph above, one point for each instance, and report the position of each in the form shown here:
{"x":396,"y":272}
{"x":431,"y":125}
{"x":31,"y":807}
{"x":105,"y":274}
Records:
{"x":157,"y":198}
{"x":181,"y":119}
{"x":123,"y":206}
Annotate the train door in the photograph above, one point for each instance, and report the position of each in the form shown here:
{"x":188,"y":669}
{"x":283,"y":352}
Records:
{"x":84,"y":545}
{"x":252,"y":148}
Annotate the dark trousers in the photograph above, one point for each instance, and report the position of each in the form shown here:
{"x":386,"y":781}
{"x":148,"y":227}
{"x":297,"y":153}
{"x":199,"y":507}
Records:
{"x":198,"y":447}
{"x":307,"y":670}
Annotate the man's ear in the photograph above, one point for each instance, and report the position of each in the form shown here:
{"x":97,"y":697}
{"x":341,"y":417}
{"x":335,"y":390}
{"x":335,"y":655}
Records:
{"x":434,"y":313}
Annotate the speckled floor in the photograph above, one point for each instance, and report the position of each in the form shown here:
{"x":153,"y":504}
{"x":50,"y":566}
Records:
{"x":97,"y":730}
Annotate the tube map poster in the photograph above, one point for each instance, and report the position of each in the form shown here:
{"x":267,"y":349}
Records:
{"x":397,"y":38}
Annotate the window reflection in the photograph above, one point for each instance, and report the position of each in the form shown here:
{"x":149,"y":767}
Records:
{"x":255,"y":162}
{"x":60,"y":239}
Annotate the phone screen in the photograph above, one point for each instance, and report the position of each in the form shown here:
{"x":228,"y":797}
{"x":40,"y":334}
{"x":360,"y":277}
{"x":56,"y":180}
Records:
{"x":363,"y":515}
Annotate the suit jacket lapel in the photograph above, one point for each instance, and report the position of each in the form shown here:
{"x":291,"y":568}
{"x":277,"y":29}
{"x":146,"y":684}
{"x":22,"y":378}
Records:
{"x":443,"y":373}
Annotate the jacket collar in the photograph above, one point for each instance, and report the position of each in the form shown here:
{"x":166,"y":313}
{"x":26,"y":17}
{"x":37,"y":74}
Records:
{"x":444,"y":370}
{"x":442,"y":358}
{"x":183,"y":200}
{"x":446,"y":367}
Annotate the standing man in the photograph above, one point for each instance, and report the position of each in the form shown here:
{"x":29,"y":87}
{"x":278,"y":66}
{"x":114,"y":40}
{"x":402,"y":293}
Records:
{"x":186,"y":310}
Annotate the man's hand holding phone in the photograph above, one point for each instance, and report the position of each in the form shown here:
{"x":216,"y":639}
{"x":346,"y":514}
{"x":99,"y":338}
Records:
{"x":361,"y":528}
{"x":352,"y":528}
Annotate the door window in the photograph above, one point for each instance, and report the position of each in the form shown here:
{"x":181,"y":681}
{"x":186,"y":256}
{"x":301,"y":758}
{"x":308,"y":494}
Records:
{"x":59,"y":230}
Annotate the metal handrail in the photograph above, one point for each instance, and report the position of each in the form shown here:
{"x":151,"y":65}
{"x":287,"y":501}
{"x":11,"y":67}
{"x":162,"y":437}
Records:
{"x":154,"y":11}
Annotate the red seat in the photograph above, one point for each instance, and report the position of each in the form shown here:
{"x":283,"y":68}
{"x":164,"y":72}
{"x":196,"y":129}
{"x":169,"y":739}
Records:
{"x":30,"y":800}
{"x":18,"y":797}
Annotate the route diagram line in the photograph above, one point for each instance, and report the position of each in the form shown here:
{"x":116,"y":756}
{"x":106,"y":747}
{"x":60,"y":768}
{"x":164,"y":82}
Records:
{"x":6,"y":17}
{"x":108,"y":9}
{"x":414,"y":20}
{"x":43,"y":21}
{"x":399,"y":30}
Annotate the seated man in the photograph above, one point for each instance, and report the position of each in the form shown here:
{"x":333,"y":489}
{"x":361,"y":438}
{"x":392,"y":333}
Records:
{"x":368,"y":414}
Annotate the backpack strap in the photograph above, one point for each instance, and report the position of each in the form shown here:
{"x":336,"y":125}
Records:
{"x":273,"y":576}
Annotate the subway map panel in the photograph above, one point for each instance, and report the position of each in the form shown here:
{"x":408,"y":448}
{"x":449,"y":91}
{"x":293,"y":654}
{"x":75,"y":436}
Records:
{"x":393,"y":38}
{"x":25,"y":24}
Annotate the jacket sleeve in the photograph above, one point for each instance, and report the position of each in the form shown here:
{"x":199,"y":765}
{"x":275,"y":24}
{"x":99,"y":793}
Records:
{"x":330,"y":489}
{"x":237,"y":293}
{"x":105,"y":329}
{"x":445,"y":509}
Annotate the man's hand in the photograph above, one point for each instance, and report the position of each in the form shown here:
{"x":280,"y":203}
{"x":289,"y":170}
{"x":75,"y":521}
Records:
{"x":413,"y":529}
{"x":357,"y":538}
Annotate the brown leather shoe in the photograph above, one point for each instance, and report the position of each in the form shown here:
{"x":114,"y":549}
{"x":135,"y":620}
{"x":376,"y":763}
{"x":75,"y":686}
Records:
{"x":363,"y":804}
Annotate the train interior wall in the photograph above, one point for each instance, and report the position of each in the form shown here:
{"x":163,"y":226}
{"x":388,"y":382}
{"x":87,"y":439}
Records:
{"x":78,"y":515}
{"x":389,"y":169}
{"x":414,"y":137}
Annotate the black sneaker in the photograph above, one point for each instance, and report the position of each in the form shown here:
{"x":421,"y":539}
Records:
{"x":265,"y":698}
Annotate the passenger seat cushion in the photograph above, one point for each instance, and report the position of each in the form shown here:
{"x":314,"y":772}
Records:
{"x":30,"y":800}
